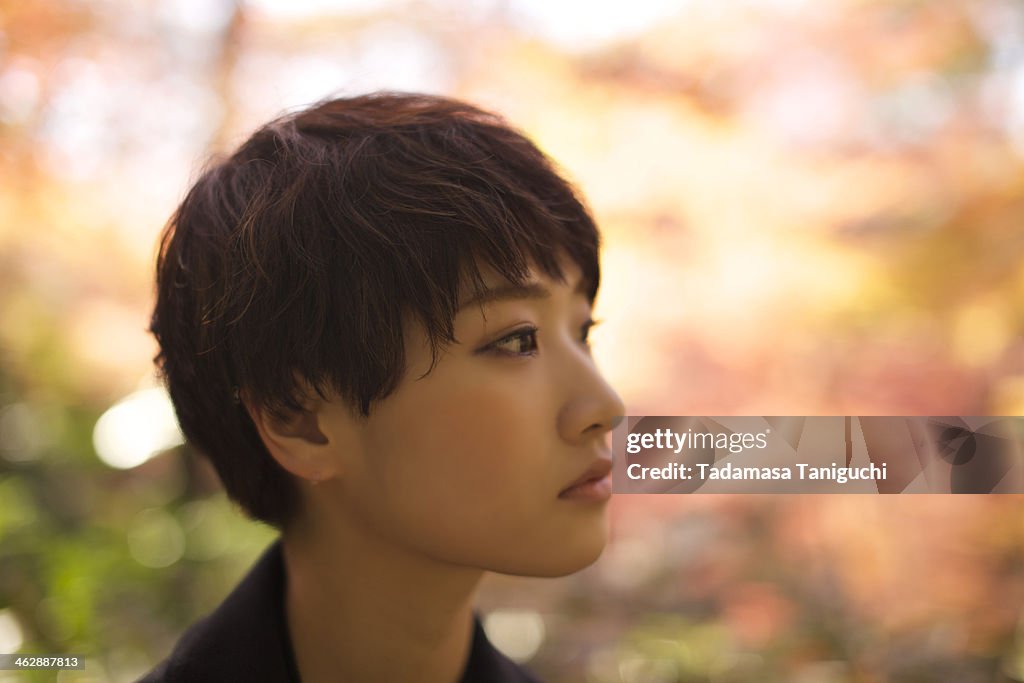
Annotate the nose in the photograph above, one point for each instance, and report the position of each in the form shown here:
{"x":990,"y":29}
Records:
{"x":592,"y":406}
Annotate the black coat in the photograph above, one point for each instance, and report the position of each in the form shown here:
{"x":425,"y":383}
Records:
{"x":246,"y":639}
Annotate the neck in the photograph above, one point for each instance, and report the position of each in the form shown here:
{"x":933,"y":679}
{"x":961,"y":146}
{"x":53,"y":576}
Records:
{"x":362,"y":609}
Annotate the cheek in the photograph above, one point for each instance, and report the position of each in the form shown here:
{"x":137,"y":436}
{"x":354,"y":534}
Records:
{"x":471,"y":445}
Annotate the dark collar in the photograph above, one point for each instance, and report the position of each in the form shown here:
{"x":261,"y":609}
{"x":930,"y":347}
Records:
{"x":246,"y":639}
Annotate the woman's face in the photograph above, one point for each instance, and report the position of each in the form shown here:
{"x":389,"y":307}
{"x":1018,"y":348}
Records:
{"x":466,"y":464}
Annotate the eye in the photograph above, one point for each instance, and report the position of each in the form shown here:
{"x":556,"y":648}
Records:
{"x":522,"y":342}
{"x":587,"y":327}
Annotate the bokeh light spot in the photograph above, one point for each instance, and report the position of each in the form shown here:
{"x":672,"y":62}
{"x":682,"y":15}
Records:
{"x":136,"y":428}
{"x":517,"y":633}
{"x":155,"y":539}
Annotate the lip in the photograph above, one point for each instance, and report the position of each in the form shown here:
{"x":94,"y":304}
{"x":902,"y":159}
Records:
{"x":593,"y":484}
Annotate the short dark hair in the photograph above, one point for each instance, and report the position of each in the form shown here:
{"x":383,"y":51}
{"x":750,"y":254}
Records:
{"x":300,"y":255}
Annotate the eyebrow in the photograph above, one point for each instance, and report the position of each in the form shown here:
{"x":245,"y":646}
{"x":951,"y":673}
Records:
{"x":510,"y":291}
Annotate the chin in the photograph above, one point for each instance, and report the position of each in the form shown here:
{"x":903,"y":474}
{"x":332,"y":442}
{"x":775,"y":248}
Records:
{"x":565,"y":558}
{"x":565,"y":566}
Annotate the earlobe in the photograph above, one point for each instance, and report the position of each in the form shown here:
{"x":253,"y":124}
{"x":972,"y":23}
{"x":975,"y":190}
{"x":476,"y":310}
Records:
{"x":295,"y":441}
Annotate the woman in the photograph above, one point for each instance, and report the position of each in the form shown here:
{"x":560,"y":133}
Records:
{"x":373,"y":320}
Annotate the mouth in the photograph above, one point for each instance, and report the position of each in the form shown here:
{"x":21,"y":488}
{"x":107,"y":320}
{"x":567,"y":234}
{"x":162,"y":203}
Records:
{"x":594,"y":485}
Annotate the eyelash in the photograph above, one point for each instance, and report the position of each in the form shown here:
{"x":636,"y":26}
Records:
{"x":530,"y":333}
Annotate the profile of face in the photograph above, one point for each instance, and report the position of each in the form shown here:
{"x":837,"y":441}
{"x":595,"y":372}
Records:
{"x":473,"y":462}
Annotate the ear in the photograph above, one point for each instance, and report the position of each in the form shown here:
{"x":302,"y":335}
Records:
{"x":296,"y":441}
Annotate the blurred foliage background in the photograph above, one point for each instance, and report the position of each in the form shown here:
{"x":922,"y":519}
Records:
{"x":809,"y":207}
